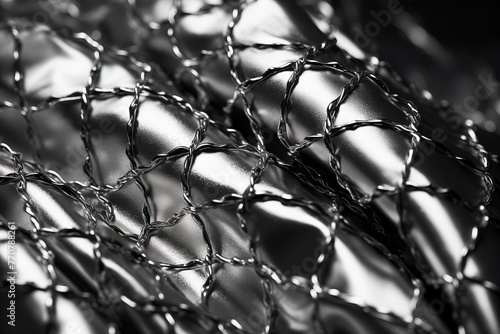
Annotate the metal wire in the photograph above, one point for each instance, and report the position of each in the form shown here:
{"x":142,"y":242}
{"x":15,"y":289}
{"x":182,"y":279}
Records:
{"x":85,"y":194}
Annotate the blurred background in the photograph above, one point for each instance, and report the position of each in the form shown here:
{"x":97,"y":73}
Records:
{"x":450,"y":48}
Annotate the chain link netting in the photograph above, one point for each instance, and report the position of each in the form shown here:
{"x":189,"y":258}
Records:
{"x":92,"y":197}
{"x":358,"y":70}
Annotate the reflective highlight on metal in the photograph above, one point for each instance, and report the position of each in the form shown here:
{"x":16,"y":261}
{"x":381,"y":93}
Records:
{"x":338,"y":206}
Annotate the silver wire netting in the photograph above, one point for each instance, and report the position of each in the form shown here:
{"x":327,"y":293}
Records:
{"x":478,"y":161}
{"x":91,"y":196}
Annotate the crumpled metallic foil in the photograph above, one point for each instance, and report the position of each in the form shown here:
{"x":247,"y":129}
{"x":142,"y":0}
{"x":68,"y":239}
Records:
{"x":157,"y":218}
{"x":166,"y":214}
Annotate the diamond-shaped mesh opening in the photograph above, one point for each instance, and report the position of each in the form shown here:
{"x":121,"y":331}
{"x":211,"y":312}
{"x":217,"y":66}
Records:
{"x":171,"y":199}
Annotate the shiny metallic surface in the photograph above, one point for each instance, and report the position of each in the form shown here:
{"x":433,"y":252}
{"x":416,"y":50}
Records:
{"x":192,"y":250}
{"x":159,"y":215}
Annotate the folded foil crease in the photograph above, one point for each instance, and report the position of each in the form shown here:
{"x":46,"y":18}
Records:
{"x":137,"y":213}
{"x":265,"y":62}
